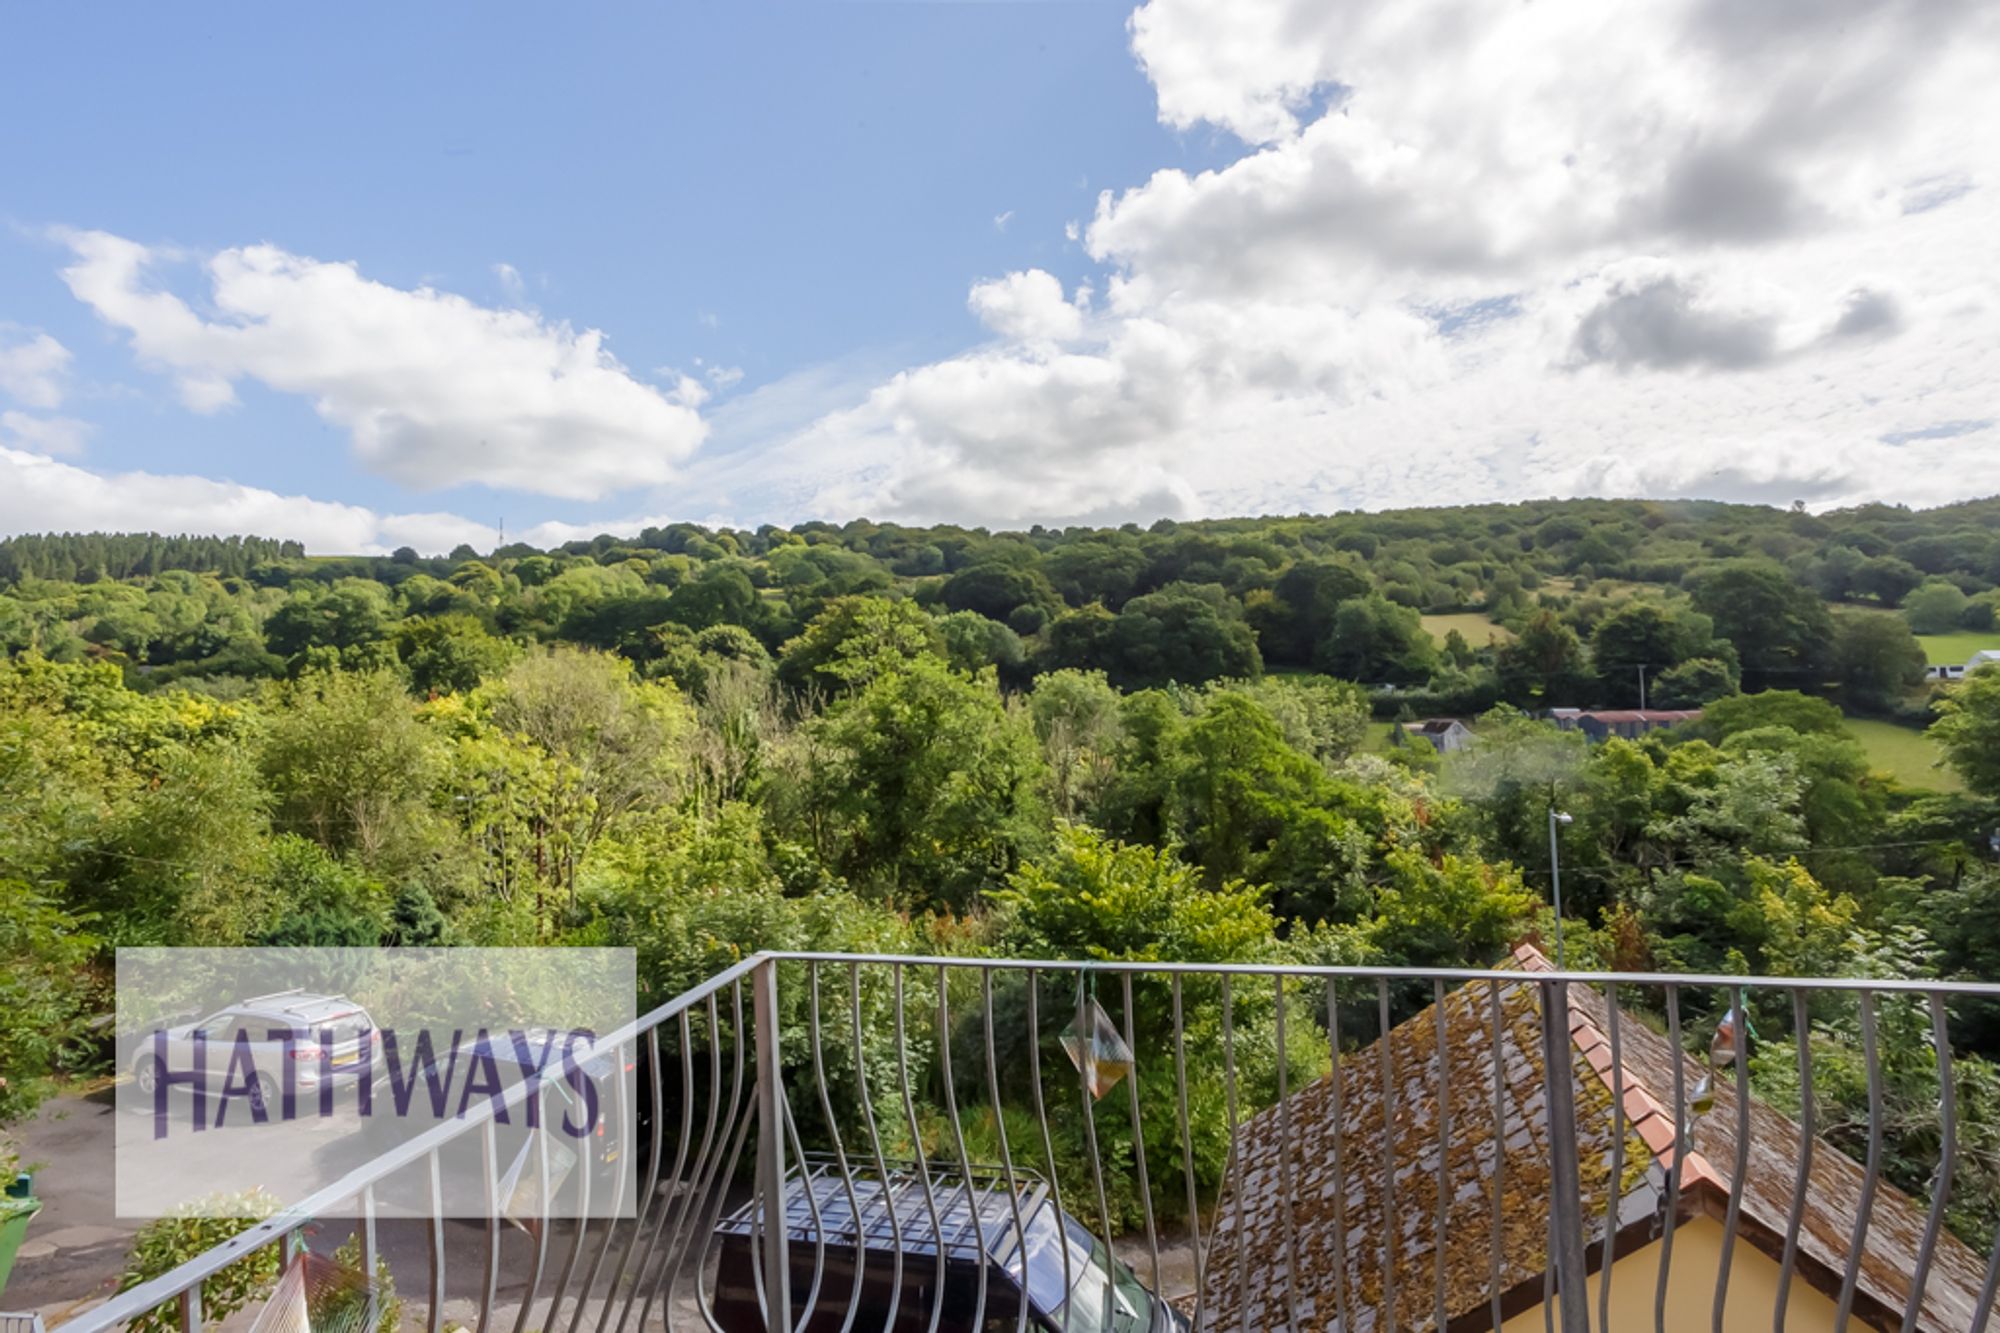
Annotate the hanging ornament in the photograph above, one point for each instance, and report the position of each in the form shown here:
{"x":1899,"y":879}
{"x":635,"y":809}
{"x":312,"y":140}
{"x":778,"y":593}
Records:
{"x":1093,"y":1045}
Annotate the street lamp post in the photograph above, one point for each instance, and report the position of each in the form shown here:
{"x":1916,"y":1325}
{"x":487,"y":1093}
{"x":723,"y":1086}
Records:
{"x":1557,"y":818}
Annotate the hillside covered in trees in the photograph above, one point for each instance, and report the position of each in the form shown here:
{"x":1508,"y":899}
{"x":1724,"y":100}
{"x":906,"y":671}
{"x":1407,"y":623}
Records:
{"x":1127,"y":742}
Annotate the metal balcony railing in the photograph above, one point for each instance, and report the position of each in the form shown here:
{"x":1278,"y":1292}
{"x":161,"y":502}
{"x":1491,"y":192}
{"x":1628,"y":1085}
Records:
{"x":854,"y":1143}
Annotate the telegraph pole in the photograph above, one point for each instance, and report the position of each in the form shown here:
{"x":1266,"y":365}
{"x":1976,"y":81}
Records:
{"x":1642,"y":687}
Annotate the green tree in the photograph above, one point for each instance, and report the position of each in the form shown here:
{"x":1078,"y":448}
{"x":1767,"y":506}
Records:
{"x":1451,"y":913}
{"x":349,"y":765}
{"x":924,"y":788}
{"x":1782,"y":631}
{"x":854,"y":640}
{"x":1375,"y":641}
{"x":1544,"y":666}
{"x":1935,"y":607}
{"x":1303,"y":604}
{"x":1968,"y":727}
{"x":1695,"y":683}
{"x":1183,"y":634}
{"x":1879,"y":661}
{"x":1771,"y":708}
{"x":1643,"y":635}
{"x":1076,"y":716}
{"x":449,"y":654}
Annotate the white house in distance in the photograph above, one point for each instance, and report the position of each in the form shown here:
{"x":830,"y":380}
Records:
{"x":1444,"y":734}
{"x":1983,"y":658}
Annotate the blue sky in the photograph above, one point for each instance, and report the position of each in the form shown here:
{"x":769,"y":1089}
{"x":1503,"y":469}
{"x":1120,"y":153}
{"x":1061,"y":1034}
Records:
{"x":796,"y":205}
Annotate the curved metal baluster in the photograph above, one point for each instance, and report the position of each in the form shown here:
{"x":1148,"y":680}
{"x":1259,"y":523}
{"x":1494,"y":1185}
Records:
{"x":1808,"y":1127}
{"x":1006,"y":1152}
{"x":1285,"y":1215}
{"x":713,"y":1185}
{"x":435,"y":1317}
{"x":1139,"y":1134}
{"x":1083,"y":1030}
{"x":646,"y":1200}
{"x":1732,"y":1216}
{"x":654,"y":1288}
{"x":812,"y":1210}
{"x":625,"y":1122}
{"x":1338,"y":1129}
{"x":917,"y":1146}
{"x":1614,"y":1198}
{"x":1389,"y":1228}
{"x":958,"y":1136}
{"x":1235,"y":1184}
{"x":839,"y":1149}
{"x":696,"y":1170}
{"x":554,"y":1314}
{"x":489,"y":1157}
{"x":660,"y":1219}
{"x":707,"y":1219}
{"x":875,"y":1143}
{"x":1947,"y":1160}
{"x":1859,"y":1241}
{"x":1048,"y":1146}
{"x":1683,"y":1144}
{"x":541,"y":1133}
{"x":1187,"y":1153}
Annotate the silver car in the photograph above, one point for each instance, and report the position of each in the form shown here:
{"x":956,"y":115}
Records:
{"x":213,"y":1041}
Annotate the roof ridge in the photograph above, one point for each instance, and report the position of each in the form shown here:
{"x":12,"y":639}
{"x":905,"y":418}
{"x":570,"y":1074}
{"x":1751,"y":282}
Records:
{"x":1645,"y":1113}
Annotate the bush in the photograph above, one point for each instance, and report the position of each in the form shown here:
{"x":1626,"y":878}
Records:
{"x":166,"y":1243}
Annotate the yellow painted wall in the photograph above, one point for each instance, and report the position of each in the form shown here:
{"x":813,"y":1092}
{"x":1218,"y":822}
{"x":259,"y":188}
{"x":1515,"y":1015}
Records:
{"x":1753,"y":1289}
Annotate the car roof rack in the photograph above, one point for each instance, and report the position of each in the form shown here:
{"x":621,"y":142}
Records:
{"x":817,"y":1204}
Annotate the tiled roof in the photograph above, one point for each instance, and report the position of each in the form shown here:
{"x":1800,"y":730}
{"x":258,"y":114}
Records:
{"x":1497,"y":1140}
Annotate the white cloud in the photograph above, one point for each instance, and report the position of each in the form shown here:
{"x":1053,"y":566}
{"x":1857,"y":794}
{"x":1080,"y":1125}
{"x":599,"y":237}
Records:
{"x":46,"y":435}
{"x":34,"y":370}
{"x":1475,"y":251}
{"x":510,"y":280}
{"x":434,"y":390}
{"x":1026,"y":305}
{"x":1000,"y":220}
{"x":39,"y":494}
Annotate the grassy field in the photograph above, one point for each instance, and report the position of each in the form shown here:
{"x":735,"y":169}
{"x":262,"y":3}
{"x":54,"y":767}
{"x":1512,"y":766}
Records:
{"x":1476,"y":628}
{"x":1904,"y":752}
{"x":1955,"y":649}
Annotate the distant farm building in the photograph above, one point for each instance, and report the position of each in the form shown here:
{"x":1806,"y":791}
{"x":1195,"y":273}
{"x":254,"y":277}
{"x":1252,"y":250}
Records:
{"x":1599,"y":723}
{"x":1444,"y":734}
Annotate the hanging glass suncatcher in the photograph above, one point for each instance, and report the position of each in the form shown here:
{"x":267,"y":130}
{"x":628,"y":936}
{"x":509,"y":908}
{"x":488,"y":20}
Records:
{"x":1721,"y":1055}
{"x":1092,"y":1042}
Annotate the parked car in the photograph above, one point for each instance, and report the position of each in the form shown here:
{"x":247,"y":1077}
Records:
{"x":893,"y":1268}
{"x":215,"y":1038}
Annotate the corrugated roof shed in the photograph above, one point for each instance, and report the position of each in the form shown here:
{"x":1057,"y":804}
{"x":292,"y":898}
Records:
{"x":1344,"y":1201}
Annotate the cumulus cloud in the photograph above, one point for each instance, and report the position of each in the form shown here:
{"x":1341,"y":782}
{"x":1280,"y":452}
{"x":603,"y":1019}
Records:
{"x":433,"y":389}
{"x":1027,"y":305}
{"x":1663,"y":324}
{"x":1475,"y":251}
{"x":33,"y":370}
{"x":1868,"y":312}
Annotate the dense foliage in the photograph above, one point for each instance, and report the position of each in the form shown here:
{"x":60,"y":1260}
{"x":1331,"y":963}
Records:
{"x":1115,"y":744}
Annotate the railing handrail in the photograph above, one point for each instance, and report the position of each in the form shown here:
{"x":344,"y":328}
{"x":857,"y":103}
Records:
{"x":188,"y":1276}
{"x":1685,"y":980}
{"x":130,"y":1304}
